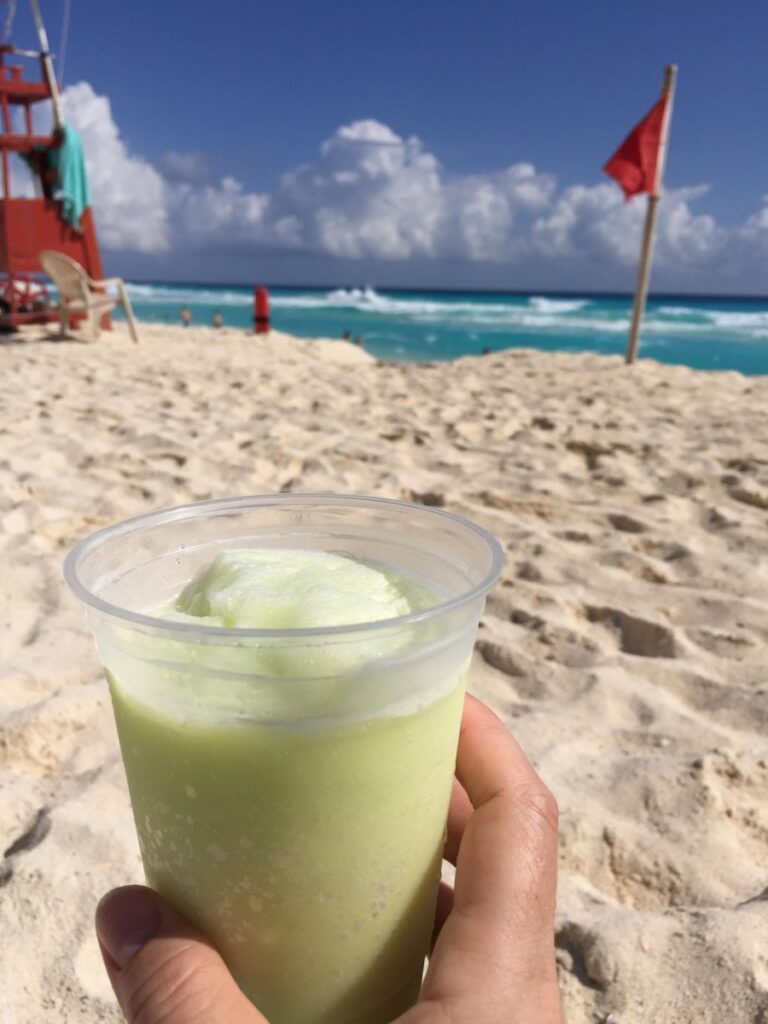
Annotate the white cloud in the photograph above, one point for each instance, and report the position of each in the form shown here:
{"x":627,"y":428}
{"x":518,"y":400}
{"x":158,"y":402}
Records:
{"x":372,"y":194}
{"x":753,"y":235}
{"x":685,"y":237}
{"x":186,"y":168}
{"x":129,"y":194}
{"x":758,"y":222}
{"x":222,"y":213}
{"x":597,"y":223}
{"x":482,"y":213}
{"x":592,"y":221}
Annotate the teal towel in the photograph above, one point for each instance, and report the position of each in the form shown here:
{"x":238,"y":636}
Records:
{"x":71,"y":186}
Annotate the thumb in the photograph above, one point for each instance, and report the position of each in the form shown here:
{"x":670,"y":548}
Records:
{"x":163,"y":971}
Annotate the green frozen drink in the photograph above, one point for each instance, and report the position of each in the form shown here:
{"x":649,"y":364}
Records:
{"x":287,"y":675}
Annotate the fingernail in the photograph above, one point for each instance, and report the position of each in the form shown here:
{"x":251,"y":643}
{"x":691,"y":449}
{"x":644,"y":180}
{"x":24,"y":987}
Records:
{"x":126,"y":919}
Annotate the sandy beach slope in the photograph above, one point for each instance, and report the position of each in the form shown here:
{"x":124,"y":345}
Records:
{"x":625,"y":645}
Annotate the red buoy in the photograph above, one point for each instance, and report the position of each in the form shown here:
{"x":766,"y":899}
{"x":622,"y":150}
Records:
{"x":260,"y":310}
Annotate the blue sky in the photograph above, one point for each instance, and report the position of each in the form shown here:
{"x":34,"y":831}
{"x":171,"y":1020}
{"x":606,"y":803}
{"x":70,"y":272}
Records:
{"x":248,"y":91}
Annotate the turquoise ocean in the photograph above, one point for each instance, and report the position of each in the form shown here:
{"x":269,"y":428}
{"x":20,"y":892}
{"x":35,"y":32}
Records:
{"x":706,"y":333}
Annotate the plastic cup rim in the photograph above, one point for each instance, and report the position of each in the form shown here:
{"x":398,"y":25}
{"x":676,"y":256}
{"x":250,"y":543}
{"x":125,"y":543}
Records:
{"x":221,"y":505}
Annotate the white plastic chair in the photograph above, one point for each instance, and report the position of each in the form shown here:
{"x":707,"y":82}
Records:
{"x":79,"y":295}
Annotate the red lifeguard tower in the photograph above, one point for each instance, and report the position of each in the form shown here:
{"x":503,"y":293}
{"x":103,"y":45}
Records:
{"x":29,"y":225}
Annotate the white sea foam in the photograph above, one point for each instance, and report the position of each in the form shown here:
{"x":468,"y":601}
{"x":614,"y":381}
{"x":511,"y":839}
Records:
{"x":368,"y":300}
{"x":521,"y":318}
{"x":757,"y":322}
{"x":731,"y":319}
{"x":545,"y":305}
{"x":186,"y":296}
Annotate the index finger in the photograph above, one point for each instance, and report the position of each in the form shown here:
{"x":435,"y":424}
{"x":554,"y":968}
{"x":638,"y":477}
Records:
{"x":499,"y":937}
{"x":490,"y":762}
{"x":507,"y":863}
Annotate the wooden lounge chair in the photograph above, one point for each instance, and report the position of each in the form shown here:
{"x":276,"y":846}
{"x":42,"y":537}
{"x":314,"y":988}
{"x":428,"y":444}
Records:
{"x":79,"y":295}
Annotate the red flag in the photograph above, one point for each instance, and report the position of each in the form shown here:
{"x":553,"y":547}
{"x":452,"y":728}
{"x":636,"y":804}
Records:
{"x":633,"y":165}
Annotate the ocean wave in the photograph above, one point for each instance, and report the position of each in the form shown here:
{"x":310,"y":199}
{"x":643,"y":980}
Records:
{"x":371,"y":300}
{"x":679,"y":311}
{"x":297,"y":301}
{"x":730,"y":319}
{"x":364,"y":300}
{"x":159,"y":294}
{"x":757,"y":321}
{"x":544,"y":305}
{"x":541,"y":321}
{"x":368,"y":300}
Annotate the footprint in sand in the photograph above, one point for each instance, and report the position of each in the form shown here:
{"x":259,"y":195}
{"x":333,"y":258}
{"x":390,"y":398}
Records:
{"x":435,"y":499}
{"x":680,"y":820}
{"x":526,"y":684}
{"x":626,"y":524}
{"x":576,"y":536}
{"x":667,"y":551}
{"x":558,"y":643}
{"x":585,"y":954}
{"x":736,"y":646}
{"x":625,"y":865}
{"x":715,"y":520}
{"x":736,"y":788}
{"x":749,"y":495}
{"x":590,"y":451}
{"x":640,"y":637}
{"x":499,"y":656}
{"x":680,"y":561}
{"x":633,"y":565}
{"x":529,"y":572}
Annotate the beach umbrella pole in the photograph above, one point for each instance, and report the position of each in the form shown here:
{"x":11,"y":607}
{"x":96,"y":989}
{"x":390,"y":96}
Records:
{"x":646,"y":251}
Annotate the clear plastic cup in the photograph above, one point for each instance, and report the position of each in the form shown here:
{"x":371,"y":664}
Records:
{"x":290,"y":787}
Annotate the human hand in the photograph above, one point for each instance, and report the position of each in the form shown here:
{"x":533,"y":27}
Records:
{"x":493,"y":960}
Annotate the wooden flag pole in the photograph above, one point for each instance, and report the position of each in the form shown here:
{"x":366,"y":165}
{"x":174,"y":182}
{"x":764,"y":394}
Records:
{"x":644,"y":270}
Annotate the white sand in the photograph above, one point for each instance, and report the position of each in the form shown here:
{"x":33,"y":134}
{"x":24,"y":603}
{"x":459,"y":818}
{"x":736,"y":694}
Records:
{"x":625,"y":645}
